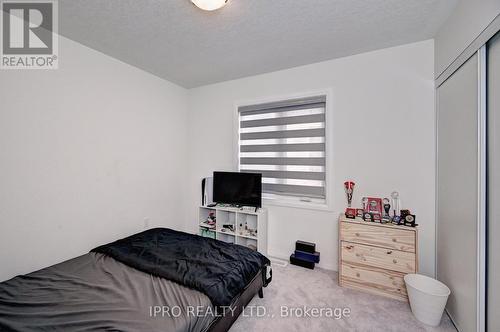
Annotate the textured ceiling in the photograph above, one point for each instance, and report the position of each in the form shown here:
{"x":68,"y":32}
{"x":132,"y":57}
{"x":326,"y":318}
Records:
{"x":175,"y":40}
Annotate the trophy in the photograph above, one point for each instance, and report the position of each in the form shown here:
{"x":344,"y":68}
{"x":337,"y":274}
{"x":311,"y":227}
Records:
{"x":364,"y":203}
{"x":367,"y":216}
{"x":349,"y":189}
{"x":350,"y":213}
{"x":387,"y":207}
{"x":396,"y":203}
{"x":409,"y":220}
{"x":377,"y":217}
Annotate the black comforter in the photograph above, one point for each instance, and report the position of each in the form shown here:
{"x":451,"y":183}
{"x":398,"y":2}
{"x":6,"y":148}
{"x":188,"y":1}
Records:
{"x":218,"y":269}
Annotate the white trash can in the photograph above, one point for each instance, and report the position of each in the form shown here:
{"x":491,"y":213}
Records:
{"x":427,"y":298}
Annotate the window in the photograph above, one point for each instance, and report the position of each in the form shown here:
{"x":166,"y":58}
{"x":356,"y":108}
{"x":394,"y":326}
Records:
{"x":285,"y":141}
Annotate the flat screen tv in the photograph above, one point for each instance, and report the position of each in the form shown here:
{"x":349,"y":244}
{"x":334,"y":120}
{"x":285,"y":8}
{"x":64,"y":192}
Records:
{"x":243,"y":189}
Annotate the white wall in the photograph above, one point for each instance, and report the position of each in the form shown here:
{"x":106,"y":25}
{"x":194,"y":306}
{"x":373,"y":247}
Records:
{"x":88,"y":152}
{"x":91,"y":150}
{"x":468,"y":20}
{"x":383,"y":136}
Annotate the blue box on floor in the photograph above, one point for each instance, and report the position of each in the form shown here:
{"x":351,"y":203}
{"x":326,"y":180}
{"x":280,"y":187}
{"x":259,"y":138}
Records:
{"x":307,"y":256}
{"x":300,"y":262}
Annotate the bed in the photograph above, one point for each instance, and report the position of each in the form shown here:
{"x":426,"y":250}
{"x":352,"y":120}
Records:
{"x":157,"y":280}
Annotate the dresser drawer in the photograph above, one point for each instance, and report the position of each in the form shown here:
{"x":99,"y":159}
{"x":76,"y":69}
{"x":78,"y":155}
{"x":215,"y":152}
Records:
{"x":395,"y":260}
{"x":380,"y":236}
{"x":374,"y":280}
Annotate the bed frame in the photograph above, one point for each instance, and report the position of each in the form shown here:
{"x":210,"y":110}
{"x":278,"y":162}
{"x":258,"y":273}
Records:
{"x":224,"y":323}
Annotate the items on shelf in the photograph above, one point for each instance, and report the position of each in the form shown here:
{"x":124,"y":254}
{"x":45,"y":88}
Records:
{"x":247,"y":231}
{"x":229,"y":228}
{"x":305,"y":255}
{"x":252,"y":246}
{"x":207,"y":189}
{"x":210,"y":222}
{"x":234,"y":226}
{"x":236,"y":207}
{"x":378,"y":210}
{"x":207,"y":233}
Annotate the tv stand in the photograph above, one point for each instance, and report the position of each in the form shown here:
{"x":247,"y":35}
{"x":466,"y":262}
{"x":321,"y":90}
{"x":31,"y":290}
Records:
{"x":245,"y":226}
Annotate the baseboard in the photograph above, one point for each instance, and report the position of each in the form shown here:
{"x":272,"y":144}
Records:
{"x":278,"y":261}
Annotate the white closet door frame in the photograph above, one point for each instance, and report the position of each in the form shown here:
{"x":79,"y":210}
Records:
{"x":478,"y":45}
{"x":481,"y":188}
{"x":493,"y":184}
{"x":481,"y":182}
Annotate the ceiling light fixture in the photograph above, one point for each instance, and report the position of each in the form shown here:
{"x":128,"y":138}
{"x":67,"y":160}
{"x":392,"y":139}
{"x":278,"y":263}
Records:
{"x":209,"y":4}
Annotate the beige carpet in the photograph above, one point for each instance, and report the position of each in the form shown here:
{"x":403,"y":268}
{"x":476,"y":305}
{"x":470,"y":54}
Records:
{"x":297,"y":287}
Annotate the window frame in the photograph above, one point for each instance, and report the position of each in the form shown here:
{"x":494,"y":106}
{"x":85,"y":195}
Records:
{"x":286,"y":200}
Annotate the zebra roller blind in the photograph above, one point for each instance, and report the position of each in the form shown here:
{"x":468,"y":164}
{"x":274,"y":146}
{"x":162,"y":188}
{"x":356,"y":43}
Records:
{"x":285,"y":141}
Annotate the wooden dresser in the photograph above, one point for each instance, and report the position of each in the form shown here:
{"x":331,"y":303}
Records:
{"x":375,"y":257}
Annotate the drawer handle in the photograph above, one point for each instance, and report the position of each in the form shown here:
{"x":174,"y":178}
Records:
{"x":394,"y":261}
{"x":389,"y":252}
{"x":349,"y":247}
{"x":358,"y":275}
{"x":357,"y":234}
{"x":394,"y":240}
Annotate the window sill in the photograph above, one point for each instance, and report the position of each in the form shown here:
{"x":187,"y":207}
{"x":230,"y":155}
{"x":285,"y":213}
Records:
{"x":297,"y":204}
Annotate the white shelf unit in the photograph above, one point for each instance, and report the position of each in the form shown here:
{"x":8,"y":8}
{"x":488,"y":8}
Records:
{"x":250,"y":227}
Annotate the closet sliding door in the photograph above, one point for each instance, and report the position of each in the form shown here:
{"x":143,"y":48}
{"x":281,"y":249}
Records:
{"x":493,"y":286}
{"x":457,"y":192}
